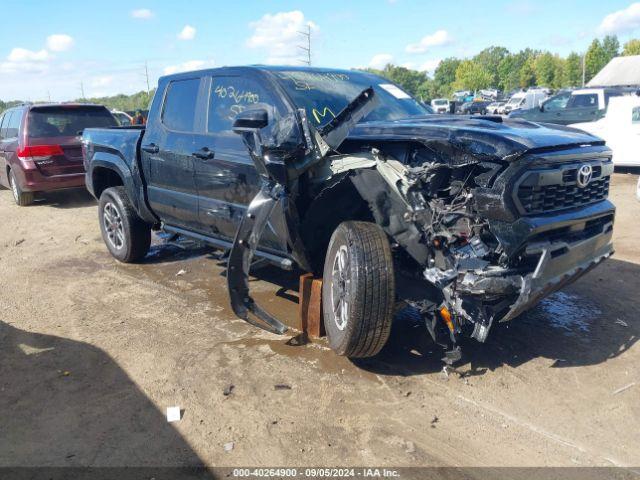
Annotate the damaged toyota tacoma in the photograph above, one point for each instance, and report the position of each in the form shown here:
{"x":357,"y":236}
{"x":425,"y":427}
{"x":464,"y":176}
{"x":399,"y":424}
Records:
{"x":468,"y":220}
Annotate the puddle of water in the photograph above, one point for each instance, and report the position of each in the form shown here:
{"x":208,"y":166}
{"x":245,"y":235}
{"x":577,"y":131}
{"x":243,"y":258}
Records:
{"x":568,"y":312}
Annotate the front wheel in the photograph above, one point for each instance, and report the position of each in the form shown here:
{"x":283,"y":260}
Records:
{"x":126,"y":235}
{"x":358,"y":290}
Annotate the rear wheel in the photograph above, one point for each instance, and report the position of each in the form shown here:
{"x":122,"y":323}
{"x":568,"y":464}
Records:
{"x":358,"y":290}
{"x":22,"y":198}
{"x":126,"y":235}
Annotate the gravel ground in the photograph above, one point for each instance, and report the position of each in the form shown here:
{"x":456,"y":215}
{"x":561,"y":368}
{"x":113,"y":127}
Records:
{"x":93,"y":352}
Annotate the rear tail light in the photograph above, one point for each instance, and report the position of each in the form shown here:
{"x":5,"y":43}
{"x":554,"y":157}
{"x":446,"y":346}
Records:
{"x":40,"y":154}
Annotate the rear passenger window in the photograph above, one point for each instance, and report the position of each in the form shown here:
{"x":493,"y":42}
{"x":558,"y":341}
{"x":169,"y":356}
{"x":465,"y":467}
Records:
{"x":584,"y":100}
{"x":178,"y":112}
{"x":232,"y":95}
{"x":13,"y":124}
{"x":67,"y":121}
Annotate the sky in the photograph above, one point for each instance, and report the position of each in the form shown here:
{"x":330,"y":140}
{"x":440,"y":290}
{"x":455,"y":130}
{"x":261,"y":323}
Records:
{"x":57,"y":50}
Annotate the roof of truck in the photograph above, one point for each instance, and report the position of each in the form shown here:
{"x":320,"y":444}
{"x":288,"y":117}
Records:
{"x":271,"y":68}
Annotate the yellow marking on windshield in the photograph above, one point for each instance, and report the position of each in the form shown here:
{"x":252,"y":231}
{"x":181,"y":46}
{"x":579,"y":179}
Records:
{"x":318,"y":115}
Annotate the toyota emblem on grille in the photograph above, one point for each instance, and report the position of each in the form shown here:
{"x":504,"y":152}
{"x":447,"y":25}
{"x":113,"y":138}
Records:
{"x":584,"y":175}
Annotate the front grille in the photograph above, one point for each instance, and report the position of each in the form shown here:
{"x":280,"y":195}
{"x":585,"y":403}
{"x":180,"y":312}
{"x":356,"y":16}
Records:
{"x":536,"y":196}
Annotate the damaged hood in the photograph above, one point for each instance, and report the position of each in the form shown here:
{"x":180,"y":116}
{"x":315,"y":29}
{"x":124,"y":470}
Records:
{"x":504,"y":138}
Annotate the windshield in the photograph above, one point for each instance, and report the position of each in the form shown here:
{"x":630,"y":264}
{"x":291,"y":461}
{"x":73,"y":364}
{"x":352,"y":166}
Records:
{"x":515,"y":100}
{"x":324,"y":94}
{"x":67,"y":121}
{"x":440,"y":102}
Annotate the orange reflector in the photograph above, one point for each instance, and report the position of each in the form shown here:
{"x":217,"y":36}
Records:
{"x":446,"y":316}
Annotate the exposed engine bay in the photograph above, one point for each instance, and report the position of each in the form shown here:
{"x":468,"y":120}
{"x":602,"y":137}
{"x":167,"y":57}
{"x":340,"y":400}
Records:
{"x":481,"y":227}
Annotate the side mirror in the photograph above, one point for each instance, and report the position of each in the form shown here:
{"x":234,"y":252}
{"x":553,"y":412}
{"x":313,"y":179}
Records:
{"x":248,"y":124}
{"x":251,"y":119}
{"x":542,"y":108}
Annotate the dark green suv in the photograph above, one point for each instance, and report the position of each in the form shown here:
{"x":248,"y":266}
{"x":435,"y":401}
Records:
{"x":567,"y":107}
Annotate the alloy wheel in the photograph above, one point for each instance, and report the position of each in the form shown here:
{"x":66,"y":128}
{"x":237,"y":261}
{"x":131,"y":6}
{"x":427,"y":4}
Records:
{"x":340,"y":286}
{"x":113,"y":226}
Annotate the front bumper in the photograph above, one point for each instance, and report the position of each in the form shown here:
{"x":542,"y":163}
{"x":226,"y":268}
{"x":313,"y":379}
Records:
{"x":555,"y":251}
{"x":560,"y":263}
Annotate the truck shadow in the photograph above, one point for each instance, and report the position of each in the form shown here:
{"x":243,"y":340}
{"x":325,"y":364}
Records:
{"x":66,"y":403}
{"x":587,"y":323}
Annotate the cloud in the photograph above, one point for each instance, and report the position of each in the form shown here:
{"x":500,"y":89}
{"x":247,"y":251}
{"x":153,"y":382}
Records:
{"x":18,"y":55}
{"x":187,"y":33}
{"x":622,"y":21}
{"x":142,"y":14}
{"x":437,"y":39}
{"x":380,"y":60}
{"x":188,"y":66}
{"x":59,"y":42}
{"x":279,"y":36}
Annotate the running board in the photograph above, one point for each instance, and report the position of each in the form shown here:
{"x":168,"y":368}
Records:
{"x":281,"y":262}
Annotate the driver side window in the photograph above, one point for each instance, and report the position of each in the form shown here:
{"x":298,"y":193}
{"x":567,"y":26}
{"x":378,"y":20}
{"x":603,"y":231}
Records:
{"x":558,"y":102}
{"x":231,"y":95}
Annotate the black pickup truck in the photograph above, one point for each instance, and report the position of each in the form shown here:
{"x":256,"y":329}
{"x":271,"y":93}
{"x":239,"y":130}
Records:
{"x":469,"y":220}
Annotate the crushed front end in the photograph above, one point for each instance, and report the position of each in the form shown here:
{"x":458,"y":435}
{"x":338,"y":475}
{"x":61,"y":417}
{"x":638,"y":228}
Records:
{"x":494,"y":235}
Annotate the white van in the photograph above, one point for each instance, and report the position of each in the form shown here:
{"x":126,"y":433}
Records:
{"x":440,"y":105}
{"x":532,"y":98}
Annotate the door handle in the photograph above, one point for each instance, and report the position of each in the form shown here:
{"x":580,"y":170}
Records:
{"x":151,"y":148}
{"x":204,"y":154}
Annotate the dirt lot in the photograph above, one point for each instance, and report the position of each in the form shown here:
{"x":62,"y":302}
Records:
{"x":92,"y":352}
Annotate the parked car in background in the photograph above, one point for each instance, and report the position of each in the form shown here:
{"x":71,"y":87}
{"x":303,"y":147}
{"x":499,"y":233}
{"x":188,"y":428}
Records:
{"x":495,"y":108}
{"x":40,"y":147}
{"x":471,"y":221}
{"x":471,"y":108}
{"x":620,"y":128}
{"x":532,"y":98}
{"x":440,"y":105}
{"x":123,"y":118}
{"x":489,"y":94}
{"x":577,"y":106}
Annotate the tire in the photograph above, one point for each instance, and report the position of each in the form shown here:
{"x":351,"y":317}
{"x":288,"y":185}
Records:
{"x":359,"y":269}
{"x":22,"y":198}
{"x":126,"y":235}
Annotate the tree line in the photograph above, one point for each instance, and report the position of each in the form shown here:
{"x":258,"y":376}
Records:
{"x":497,"y":67}
{"x":136,"y":101}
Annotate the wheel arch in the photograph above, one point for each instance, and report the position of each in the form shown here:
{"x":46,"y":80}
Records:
{"x":339,"y":201}
{"x":103,"y":177}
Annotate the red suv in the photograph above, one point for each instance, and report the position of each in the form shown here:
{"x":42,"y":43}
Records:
{"x":40,"y":147}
